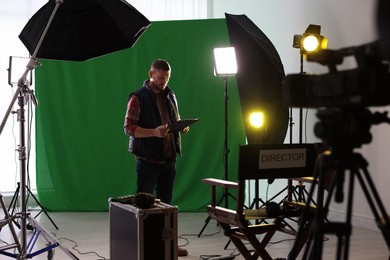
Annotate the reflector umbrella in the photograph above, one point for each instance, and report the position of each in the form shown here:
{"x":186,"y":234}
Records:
{"x":83,"y":29}
{"x":259,"y":79}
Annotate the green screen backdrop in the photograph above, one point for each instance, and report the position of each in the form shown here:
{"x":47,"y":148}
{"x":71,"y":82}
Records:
{"x":81,"y":149}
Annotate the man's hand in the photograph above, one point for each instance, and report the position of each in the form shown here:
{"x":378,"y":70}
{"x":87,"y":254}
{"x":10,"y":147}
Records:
{"x":185,"y":130}
{"x":161,"y":131}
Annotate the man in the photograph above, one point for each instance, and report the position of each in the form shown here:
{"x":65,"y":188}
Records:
{"x":150,"y":111}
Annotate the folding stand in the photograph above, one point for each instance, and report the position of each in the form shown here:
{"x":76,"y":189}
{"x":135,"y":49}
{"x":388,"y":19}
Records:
{"x":26,"y":248}
{"x":12,"y":205}
{"x":22,"y":94}
{"x":356,"y":165}
{"x":226,"y":193}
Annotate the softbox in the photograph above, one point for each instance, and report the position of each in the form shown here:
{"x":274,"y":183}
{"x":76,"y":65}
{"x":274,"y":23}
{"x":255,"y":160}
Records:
{"x":259,"y":79}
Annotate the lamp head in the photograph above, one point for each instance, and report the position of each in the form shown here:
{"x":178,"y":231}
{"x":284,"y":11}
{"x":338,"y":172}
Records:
{"x":256,"y":127}
{"x":311,"y":40}
{"x":256,"y":119}
{"x":225,"y":63}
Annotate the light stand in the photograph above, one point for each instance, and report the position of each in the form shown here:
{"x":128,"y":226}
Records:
{"x":256,"y":123}
{"x":311,"y":41}
{"x":226,"y":145}
{"x":17,"y":67}
{"x":225,"y":65}
{"x":23,"y":93}
{"x":300,"y":186}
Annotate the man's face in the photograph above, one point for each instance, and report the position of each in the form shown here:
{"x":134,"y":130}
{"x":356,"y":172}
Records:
{"x":159,"y":79}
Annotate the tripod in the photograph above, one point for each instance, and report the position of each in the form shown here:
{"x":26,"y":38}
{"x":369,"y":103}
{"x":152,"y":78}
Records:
{"x":25,"y":250}
{"x":357,"y":167}
{"x":338,"y":163}
{"x":14,"y":200}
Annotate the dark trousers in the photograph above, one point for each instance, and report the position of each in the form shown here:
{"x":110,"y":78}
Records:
{"x":155,"y":178}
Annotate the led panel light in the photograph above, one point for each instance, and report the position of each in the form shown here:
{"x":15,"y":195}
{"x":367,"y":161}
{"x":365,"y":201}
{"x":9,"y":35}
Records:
{"x":225,"y":63}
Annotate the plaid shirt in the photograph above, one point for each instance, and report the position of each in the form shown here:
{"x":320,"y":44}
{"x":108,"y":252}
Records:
{"x":132,"y":115}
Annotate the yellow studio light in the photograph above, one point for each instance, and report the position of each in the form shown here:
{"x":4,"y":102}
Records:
{"x":256,"y":119}
{"x":310,"y":43}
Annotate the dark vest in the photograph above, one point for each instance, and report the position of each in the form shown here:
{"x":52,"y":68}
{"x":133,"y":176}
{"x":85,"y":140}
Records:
{"x":153,"y":147}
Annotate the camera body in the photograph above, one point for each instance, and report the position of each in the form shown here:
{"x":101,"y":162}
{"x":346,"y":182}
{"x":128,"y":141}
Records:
{"x":367,"y":85}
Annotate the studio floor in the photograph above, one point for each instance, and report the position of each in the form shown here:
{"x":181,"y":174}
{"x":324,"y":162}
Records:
{"x":86,"y":235}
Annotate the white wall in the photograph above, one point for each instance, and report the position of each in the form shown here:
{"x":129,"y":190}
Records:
{"x":13,"y":17}
{"x":345,"y":23}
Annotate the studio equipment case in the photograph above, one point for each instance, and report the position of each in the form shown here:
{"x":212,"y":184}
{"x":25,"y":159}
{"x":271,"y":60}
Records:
{"x":143,"y":234}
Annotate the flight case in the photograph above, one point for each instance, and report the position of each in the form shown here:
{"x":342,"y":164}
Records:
{"x":143,"y":234}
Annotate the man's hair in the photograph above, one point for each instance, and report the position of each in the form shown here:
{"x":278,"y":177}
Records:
{"x":160,"y":65}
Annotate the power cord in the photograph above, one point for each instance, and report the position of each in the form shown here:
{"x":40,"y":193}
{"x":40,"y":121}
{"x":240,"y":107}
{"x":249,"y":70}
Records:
{"x":182,"y":236}
{"x":83,"y":253}
{"x":217,"y":257}
{"x":208,"y":257}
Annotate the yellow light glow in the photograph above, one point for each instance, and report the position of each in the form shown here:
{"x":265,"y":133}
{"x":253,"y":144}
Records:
{"x":310,"y":43}
{"x":256,"y":119}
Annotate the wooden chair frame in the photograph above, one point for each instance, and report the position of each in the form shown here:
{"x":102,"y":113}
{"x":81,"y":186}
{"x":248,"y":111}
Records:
{"x":237,"y":223}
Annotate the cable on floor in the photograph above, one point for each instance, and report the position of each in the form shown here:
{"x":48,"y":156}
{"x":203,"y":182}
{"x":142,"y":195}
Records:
{"x":182,"y":236}
{"x":83,"y":253}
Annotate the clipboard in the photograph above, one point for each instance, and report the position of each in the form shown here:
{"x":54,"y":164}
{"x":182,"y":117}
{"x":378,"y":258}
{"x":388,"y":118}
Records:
{"x":181,"y":124}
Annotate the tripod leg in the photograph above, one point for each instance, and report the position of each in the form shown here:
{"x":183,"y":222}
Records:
{"x":12,"y":205}
{"x":209,"y":218}
{"x":42,"y":209}
{"x":344,"y":234}
{"x":320,"y":214}
{"x":305,"y":219}
{"x":52,"y":241}
{"x":9,"y":220}
{"x":205,"y":225}
{"x":382,"y":218}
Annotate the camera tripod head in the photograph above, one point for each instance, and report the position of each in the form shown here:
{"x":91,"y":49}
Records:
{"x":345,"y":128}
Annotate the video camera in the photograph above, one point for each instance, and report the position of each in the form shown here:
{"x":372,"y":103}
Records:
{"x":344,"y":121}
{"x":367,"y":85}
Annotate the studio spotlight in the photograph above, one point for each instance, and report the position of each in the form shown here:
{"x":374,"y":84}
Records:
{"x":256,"y":119}
{"x":311,"y":41}
{"x":256,"y":126}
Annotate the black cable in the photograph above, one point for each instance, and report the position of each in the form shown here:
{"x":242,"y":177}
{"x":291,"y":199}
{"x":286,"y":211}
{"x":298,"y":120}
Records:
{"x":307,"y":112}
{"x":266,"y":193}
{"x":29,"y":127}
{"x":280,"y":241}
{"x":15,"y":143}
{"x":186,"y":240}
{"x":211,"y":234}
{"x":182,"y":236}
{"x":207,"y":257}
{"x":4,"y":242}
{"x":216,"y":257}
{"x":83,"y":253}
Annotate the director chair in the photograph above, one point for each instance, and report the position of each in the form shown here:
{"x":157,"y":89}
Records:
{"x":243,"y":225}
